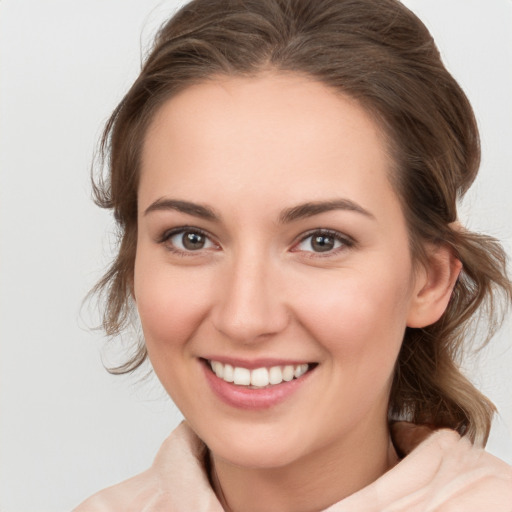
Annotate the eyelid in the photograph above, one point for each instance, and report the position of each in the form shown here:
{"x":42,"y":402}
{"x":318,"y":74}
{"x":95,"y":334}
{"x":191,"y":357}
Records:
{"x":346,"y":241}
{"x":169,"y":233}
{"x":166,"y":234}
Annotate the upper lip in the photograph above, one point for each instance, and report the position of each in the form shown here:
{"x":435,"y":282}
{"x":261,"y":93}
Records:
{"x":260,"y":362}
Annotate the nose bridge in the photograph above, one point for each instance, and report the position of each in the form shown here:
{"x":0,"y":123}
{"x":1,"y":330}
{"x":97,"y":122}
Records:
{"x":250,"y":301}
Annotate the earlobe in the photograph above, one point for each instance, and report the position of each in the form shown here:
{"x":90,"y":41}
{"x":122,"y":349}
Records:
{"x":434,"y":285}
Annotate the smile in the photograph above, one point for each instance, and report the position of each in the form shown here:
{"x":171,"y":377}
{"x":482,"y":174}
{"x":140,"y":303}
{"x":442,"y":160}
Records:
{"x":258,"y":378}
{"x":256,"y":385}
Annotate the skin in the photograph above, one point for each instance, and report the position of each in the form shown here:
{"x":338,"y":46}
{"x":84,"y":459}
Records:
{"x":249,"y":150}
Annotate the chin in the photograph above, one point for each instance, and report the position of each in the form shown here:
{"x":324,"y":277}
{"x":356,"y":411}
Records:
{"x":259,"y":449}
{"x":256,"y":458}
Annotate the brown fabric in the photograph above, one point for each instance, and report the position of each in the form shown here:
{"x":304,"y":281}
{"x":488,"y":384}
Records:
{"x":441,"y":472}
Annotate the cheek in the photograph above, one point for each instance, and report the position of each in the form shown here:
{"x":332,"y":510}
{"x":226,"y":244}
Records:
{"x":358,"y":317}
{"x":171,"y":304}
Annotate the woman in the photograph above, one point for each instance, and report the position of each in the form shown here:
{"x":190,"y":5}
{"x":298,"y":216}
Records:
{"x":285,"y":175}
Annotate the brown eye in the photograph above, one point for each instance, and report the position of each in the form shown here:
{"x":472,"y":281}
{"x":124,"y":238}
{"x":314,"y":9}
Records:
{"x":193,"y":241}
{"x":188,"y":240}
{"x":322,"y":243}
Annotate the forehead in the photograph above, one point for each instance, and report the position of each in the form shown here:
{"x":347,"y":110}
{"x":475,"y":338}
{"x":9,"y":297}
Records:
{"x":288,"y":136}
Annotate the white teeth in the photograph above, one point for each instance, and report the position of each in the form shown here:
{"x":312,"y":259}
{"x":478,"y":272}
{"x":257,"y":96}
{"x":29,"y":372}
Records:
{"x":300,"y":370}
{"x":259,"y":377}
{"x":288,"y":372}
{"x":218,"y":368}
{"x":275,"y":375}
{"x":241,"y":376}
{"x":228,"y":373}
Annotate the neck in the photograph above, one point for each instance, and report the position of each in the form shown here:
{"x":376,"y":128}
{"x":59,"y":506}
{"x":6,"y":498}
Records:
{"x":310,"y":484}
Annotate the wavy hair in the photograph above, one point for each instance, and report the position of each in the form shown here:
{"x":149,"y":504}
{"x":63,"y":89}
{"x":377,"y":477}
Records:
{"x":381,"y":54}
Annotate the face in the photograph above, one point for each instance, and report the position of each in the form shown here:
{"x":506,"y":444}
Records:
{"x":271,"y":250}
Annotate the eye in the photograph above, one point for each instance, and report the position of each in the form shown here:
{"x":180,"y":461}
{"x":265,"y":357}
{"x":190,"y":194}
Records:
{"x":323,"y":241}
{"x":187,"y":240}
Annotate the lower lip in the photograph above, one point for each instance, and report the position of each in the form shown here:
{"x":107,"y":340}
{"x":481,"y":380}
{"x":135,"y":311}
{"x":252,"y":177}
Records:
{"x":243,"y":397}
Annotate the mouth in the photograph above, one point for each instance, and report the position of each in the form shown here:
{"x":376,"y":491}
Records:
{"x":263,"y":377}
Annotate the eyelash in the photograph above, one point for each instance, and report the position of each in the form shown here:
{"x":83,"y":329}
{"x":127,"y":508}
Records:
{"x":345,"y":241}
{"x":167,"y":235}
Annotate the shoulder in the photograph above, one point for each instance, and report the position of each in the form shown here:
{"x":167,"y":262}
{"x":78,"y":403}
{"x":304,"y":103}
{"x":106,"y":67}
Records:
{"x":177,"y":480}
{"x":456,"y":475}
{"x":130,"y":495}
{"x":477,"y":480}
{"x":441,"y":472}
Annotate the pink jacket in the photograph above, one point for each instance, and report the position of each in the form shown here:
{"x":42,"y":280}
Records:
{"x":442,"y":472}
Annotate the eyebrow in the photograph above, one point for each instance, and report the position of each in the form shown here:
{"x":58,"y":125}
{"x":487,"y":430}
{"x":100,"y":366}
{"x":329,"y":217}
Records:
{"x":315,"y":208}
{"x":294,"y":213}
{"x":197,"y":210}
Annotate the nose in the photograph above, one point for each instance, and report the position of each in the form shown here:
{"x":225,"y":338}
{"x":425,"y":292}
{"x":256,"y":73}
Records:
{"x":250,"y":305}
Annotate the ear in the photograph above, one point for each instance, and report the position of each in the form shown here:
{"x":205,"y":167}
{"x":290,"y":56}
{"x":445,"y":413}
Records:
{"x":434,"y":285}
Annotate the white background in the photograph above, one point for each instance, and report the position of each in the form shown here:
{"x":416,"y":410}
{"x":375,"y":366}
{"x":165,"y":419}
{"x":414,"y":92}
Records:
{"x":67,"y":428}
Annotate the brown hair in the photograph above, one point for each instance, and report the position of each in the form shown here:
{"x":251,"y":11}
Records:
{"x":381,"y":54}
